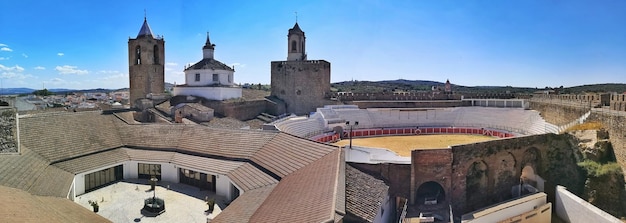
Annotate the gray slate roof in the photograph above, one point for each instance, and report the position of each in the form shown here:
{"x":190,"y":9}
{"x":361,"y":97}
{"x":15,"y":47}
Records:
{"x":145,"y":29}
{"x":209,"y":63}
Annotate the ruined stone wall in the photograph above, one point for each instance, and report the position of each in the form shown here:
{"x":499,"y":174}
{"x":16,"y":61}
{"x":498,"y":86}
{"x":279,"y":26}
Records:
{"x":8,"y":130}
{"x":615,"y":124}
{"x":618,"y":102}
{"x":301,"y":85}
{"x":243,"y":110}
{"x":431,"y":165}
{"x":483,"y":173}
{"x":560,"y":112}
{"x":395,"y":175}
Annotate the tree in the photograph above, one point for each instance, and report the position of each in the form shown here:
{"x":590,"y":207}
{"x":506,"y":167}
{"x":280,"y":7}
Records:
{"x":43,"y":92}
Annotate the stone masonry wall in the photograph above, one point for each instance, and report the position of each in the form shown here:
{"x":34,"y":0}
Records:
{"x":301,"y":85}
{"x":483,"y":173}
{"x":559,"y":112}
{"x":8,"y":130}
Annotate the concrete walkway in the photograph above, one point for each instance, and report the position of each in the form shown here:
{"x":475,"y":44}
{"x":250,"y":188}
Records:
{"x":123,"y":201}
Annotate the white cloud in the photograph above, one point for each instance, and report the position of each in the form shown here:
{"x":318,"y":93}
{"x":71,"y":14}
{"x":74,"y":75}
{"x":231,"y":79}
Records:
{"x":13,"y":68}
{"x":171,"y":64}
{"x":7,"y":49}
{"x":60,"y":54}
{"x":237,"y":65}
{"x":2,"y":44}
{"x":67,"y":69}
{"x":4,"y":58}
{"x":24,"y":55}
{"x":39,"y":68}
{"x":14,"y":72}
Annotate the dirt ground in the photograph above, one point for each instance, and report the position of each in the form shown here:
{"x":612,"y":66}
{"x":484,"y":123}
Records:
{"x":404,"y":144}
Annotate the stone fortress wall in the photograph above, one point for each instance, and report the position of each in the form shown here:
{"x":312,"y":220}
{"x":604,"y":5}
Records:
{"x":8,"y":130}
{"x":301,"y":85}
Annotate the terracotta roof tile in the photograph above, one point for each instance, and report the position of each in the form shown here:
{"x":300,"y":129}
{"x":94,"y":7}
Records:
{"x":52,"y":182}
{"x":306,"y":195}
{"x":285,"y":154}
{"x":93,"y":161}
{"x":364,"y":194}
{"x":58,"y":136}
{"x":223,"y":142}
{"x":21,"y":170}
{"x":244,"y":206}
{"x":209,"y":165}
{"x":249,"y":177}
{"x":20,"y":206}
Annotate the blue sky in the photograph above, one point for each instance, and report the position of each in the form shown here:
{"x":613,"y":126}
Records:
{"x":83,"y":44}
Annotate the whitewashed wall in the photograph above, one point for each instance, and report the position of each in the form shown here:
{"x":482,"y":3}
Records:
{"x":211,"y":93}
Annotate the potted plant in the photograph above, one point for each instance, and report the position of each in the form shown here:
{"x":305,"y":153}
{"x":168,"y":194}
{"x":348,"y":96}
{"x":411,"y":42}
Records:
{"x":95,"y":205}
{"x":211,"y":204}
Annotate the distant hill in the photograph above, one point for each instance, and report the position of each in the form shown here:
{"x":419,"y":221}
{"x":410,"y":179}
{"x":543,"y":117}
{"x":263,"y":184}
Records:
{"x":422,"y":85}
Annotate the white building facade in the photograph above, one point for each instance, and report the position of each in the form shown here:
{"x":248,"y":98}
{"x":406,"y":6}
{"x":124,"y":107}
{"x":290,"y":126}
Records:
{"x":209,"y":78}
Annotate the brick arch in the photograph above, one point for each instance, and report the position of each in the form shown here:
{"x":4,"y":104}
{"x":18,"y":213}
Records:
{"x":430,"y":190}
{"x":532,"y":158}
{"x":505,"y":175}
{"x":477,"y":184}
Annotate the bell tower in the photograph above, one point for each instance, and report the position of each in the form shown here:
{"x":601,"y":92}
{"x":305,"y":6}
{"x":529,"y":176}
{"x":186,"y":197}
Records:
{"x":296,"y":50}
{"x":146,"y":60}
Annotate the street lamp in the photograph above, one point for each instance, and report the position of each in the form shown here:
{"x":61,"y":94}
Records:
{"x":350,"y":135}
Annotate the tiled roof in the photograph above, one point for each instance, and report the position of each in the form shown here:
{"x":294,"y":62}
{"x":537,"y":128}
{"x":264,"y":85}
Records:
{"x":25,"y":170}
{"x":60,"y":136}
{"x":223,"y":142}
{"x":209,"y":63}
{"x":214,"y":166}
{"x":20,"y":206}
{"x":306,"y":173}
{"x":364,"y":194}
{"x":244,"y":206}
{"x":286,"y":154}
{"x":199,"y":107}
{"x":93,"y":161}
{"x":52,"y":182}
{"x":249,"y":177}
{"x":306,"y":195}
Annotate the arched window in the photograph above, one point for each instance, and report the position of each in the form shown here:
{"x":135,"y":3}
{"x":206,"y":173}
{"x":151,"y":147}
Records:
{"x":137,"y":55}
{"x":294,"y":46}
{"x":156,"y":54}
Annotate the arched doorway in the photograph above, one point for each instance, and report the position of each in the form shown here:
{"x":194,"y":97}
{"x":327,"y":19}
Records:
{"x":430,"y":193}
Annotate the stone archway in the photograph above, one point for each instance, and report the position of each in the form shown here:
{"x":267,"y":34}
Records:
{"x":532,"y":158}
{"x":430,"y":193}
{"x":477,"y":185}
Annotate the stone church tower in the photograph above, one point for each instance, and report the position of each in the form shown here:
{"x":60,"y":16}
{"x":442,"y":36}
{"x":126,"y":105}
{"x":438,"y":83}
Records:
{"x":146,"y":59}
{"x":301,"y":84}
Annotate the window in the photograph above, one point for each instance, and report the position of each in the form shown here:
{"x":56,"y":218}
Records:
{"x":294,"y":46}
{"x":197,"y":77}
{"x":146,"y":171}
{"x":156,"y":55}
{"x":216,"y":77}
{"x":137,"y":55}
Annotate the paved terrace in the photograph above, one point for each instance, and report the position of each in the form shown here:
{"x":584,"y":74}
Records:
{"x":123,"y":201}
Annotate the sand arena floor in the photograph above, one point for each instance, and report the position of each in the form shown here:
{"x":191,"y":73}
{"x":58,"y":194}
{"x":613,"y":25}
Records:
{"x":404,"y":144}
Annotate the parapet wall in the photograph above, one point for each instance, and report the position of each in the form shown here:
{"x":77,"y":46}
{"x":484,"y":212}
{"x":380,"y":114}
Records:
{"x":559,"y":112}
{"x":572,"y":208}
{"x":8,"y":130}
{"x":411,"y":104}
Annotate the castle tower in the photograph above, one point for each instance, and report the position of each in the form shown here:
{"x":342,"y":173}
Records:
{"x":296,"y":50}
{"x":146,"y":59}
{"x":301,"y":85}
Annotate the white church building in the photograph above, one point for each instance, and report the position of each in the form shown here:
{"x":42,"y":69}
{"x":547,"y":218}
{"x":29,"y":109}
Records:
{"x":209,"y":78}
